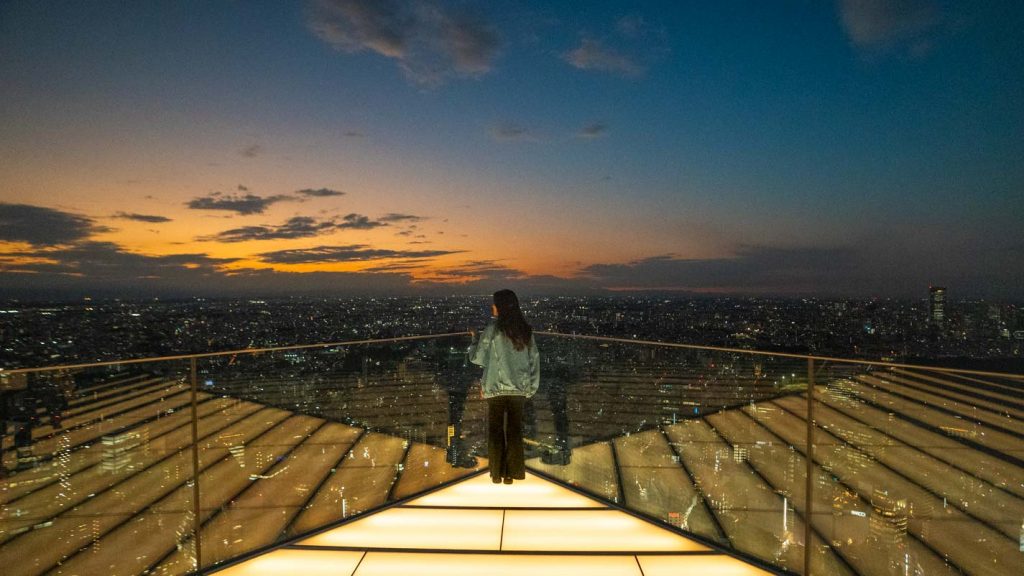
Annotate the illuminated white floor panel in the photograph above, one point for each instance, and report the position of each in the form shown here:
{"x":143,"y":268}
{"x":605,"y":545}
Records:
{"x":588,"y":531}
{"x":418,"y":528}
{"x":533,"y":492}
{"x":476,"y":527}
{"x":304,"y":562}
{"x":390,"y":564}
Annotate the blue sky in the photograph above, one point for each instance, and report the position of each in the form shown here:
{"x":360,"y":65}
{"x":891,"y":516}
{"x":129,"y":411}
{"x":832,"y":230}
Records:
{"x":865,"y":147}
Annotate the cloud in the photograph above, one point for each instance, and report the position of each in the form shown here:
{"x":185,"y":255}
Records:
{"x":752,"y":269}
{"x":349,"y":253}
{"x":429,"y":41}
{"x":107,"y":262}
{"x":141,"y":217}
{"x":887,"y":24}
{"x":319,"y":192}
{"x":353,"y":134}
{"x":105,"y":269}
{"x":593,"y":130}
{"x":593,"y":55}
{"x":297,"y":227}
{"x":306,"y":227}
{"x":397,"y":217}
{"x":632,"y":26}
{"x":867,"y":268}
{"x":511,"y":132}
{"x":251,"y":151}
{"x":396,"y":267}
{"x":41,"y":226}
{"x":241,"y":204}
{"x":476,"y":276}
{"x":359,"y":222}
{"x":476,"y":270}
{"x":471,"y":43}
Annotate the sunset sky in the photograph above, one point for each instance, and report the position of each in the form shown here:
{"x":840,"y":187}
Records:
{"x":855,"y":148}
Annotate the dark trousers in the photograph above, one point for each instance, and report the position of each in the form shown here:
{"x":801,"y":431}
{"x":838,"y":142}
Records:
{"x":505,"y":437}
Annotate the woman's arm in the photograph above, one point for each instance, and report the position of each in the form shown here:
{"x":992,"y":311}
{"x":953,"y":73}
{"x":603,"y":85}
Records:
{"x":480,"y":350}
{"x":534,"y":368}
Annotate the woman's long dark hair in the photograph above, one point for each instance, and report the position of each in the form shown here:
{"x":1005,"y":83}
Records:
{"x":511,"y":321}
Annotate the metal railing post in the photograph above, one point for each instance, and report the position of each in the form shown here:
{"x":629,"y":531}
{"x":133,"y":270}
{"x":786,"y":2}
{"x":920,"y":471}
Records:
{"x":196,"y":524}
{"x":809,"y":486}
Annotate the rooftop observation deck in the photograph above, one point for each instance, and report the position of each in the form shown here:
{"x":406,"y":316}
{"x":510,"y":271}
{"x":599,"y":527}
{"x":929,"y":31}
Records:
{"x":645,"y":458}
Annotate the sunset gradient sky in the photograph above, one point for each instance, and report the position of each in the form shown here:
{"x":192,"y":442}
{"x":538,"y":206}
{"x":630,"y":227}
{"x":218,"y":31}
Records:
{"x":859,"y":148}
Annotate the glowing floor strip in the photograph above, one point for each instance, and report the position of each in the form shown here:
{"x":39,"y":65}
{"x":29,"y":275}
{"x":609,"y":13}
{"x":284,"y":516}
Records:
{"x":533,"y":492}
{"x":423,"y":528}
{"x":476,"y":527}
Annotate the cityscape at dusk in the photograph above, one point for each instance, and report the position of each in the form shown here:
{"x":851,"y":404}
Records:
{"x":434,"y":287}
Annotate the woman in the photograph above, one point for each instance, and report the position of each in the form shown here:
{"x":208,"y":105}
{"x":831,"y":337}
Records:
{"x":511,"y":363}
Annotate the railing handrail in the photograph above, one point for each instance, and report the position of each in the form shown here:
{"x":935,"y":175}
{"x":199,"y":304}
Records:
{"x":782,"y":354}
{"x":723,"y":349}
{"x":229,"y":353}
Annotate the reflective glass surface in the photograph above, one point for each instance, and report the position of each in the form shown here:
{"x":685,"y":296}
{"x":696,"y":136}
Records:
{"x":328,"y":434}
{"x":97,"y":462}
{"x":909,"y":470}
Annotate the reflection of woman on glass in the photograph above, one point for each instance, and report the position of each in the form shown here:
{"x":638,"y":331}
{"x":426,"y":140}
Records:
{"x":511,"y":363}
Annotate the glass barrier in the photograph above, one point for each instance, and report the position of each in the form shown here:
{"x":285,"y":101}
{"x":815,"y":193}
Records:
{"x":666,"y":432}
{"x":912,"y":471}
{"x":95,"y":462}
{"x":324,"y":434}
{"x":924,"y":470}
{"x":799,"y":465}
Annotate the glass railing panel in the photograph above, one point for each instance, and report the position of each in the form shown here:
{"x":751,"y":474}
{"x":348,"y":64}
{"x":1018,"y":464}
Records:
{"x":96,"y":462}
{"x":926,"y":469}
{"x":325,"y":434}
{"x":685,"y":437}
{"x":909,"y":471}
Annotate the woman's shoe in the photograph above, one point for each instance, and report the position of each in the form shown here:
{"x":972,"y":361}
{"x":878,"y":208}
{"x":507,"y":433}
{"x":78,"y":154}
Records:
{"x":506,"y":480}
{"x":495,"y":480}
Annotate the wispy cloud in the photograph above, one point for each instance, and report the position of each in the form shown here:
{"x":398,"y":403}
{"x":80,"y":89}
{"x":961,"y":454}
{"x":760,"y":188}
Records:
{"x":591,"y":54}
{"x":512,"y":132}
{"x":396,"y":267}
{"x":41,"y":226}
{"x":359,"y":222}
{"x":398,"y":217}
{"x":297,"y":227}
{"x":347,"y":253}
{"x":632,"y":26}
{"x":593,"y":130}
{"x":430,"y":42}
{"x":150,"y":218}
{"x":238,"y":203}
{"x":106,"y":261}
{"x":319,"y":192}
{"x":476,"y":270}
{"x":307,"y":227}
{"x":251,"y":151}
{"x":752,"y":268}
{"x":889,"y":24}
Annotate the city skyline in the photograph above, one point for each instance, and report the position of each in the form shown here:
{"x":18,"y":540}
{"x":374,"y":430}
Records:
{"x":347,"y":146}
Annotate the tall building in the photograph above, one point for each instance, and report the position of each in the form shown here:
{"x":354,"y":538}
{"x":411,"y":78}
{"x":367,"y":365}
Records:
{"x":889,"y":517}
{"x":937,"y":306}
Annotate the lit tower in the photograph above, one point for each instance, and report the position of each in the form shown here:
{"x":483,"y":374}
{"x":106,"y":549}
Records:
{"x":937,"y":306}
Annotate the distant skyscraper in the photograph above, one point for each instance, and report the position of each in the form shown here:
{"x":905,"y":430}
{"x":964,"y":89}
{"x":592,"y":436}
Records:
{"x":889,"y":517}
{"x":937,"y":306}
